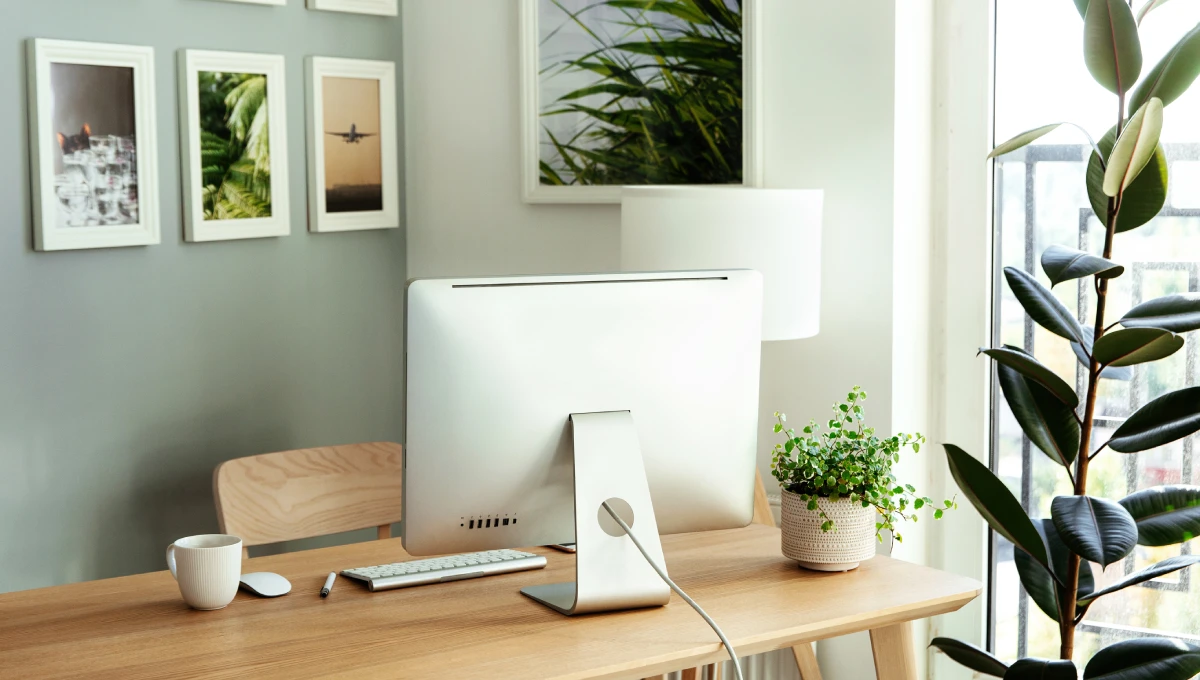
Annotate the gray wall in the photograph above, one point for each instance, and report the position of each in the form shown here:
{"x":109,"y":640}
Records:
{"x":127,"y":374}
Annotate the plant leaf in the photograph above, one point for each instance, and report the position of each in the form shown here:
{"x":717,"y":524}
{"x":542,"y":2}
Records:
{"x":1165,"y":515}
{"x":1042,"y":669}
{"x":1130,"y":346}
{"x":1027,"y":365}
{"x":1063,"y":264}
{"x":995,"y":502}
{"x":1111,"y":48}
{"x":1177,"y":313}
{"x":1134,"y":148}
{"x":970,"y":656}
{"x":1040,"y":583}
{"x":1163,"y":568}
{"x":1150,"y":6}
{"x":1173,"y":74}
{"x":1110,"y":372}
{"x":1041,"y":305}
{"x":1141,"y":201}
{"x":1096,"y":529}
{"x":1144,"y":659}
{"x":1081,"y":6}
{"x":1172,"y":416}
{"x":1023,"y":139}
{"x":1048,"y":422}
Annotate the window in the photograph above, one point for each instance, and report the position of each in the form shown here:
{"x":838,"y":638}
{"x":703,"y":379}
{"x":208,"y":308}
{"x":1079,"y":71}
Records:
{"x":1040,"y":200}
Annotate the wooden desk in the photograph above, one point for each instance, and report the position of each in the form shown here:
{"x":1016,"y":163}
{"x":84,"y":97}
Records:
{"x":138,"y":627}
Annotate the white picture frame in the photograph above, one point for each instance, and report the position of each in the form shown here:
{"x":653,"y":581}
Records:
{"x":385,"y":8}
{"x":277,"y":3}
{"x":356,"y":152}
{"x":77,"y":222}
{"x":533,"y":191}
{"x":196,"y":227}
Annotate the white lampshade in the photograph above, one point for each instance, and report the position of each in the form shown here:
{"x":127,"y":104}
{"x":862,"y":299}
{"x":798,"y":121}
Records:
{"x":774,"y":231}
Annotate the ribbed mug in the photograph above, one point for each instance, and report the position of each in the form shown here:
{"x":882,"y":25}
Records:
{"x":208,"y":568}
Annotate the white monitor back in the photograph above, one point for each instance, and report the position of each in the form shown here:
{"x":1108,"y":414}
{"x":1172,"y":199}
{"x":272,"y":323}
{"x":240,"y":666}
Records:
{"x":495,"y":367}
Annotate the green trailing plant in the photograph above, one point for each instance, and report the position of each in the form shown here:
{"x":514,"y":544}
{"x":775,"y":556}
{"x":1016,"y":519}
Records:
{"x":848,"y":460}
{"x":235,"y":147}
{"x":1126,"y":185}
{"x":670,"y":96}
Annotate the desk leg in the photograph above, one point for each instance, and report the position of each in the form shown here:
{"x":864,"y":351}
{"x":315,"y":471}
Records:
{"x":893,"y":650}
{"x":806,"y":661}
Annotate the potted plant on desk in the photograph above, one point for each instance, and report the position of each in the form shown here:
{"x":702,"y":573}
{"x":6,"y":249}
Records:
{"x":839,"y":493}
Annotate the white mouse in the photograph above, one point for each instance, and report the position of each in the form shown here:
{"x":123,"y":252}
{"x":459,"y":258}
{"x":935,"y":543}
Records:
{"x":266,"y":584}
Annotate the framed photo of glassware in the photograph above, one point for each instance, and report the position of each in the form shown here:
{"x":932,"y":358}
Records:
{"x":93,"y":145}
{"x":233,"y":108}
{"x":353,"y":158}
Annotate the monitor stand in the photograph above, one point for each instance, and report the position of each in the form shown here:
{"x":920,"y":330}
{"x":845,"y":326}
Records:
{"x":610,"y":572}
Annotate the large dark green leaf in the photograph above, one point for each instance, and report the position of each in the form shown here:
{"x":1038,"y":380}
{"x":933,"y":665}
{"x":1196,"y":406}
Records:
{"x":1112,"y":50}
{"x":970,"y":656}
{"x":1041,"y":305}
{"x":1163,"y":568}
{"x":1177,"y":313}
{"x":1049,"y":423}
{"x":1173,"y":74}
{"x":1019,"y":359}
{"x":1063,"y":264}
{"x":1039,"y":582}
{"x":1042,"y":669}
{"x":1130,"y":346}
{"x":1096,"y":529}
{"x":1144,"y":659}
{"x":1141,"y":201}
{"x":995,"y":502}
{"x":1134,"y":148}
{"x":1172,"y":416}
{"x":1084,"y":356}
{"x":1165,"y":515}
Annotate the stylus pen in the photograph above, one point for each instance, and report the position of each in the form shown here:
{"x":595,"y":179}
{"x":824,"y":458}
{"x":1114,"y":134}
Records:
{"x":328,"y":584}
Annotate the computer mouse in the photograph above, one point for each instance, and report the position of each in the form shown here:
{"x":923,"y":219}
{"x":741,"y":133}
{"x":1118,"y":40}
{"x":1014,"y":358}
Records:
{"x":266,"y":584}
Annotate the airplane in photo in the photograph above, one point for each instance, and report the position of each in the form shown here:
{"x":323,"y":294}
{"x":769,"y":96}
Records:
{"x":353,"y":136}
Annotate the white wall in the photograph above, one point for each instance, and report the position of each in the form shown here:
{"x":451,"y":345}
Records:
{"x":828,"y":78}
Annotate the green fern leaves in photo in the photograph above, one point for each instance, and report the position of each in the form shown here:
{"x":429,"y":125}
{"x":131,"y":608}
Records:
{"x":235,"y":147}
{"x":1126,"y":183}
{"x":663,"y":98}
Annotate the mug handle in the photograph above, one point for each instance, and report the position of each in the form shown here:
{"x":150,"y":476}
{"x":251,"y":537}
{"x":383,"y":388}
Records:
{"x":171,"y":561}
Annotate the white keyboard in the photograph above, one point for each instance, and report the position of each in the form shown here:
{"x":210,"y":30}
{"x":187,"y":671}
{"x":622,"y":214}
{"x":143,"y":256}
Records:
{"x":443,"y":569}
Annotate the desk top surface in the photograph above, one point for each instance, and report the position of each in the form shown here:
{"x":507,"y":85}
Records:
{"x":139,"y":627}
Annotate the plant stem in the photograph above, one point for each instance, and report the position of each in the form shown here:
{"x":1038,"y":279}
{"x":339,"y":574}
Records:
{"x":1067,"y":617}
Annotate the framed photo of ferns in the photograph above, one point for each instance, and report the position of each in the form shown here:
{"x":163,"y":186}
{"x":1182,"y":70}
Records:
{"x":233,"y":110}
{"x":629,"y":92}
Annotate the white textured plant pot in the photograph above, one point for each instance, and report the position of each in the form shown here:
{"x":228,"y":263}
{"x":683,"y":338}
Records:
{"x":850,"y":542}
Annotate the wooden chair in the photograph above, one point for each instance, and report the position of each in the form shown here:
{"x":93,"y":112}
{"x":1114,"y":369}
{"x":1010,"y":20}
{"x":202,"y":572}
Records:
{"x":304,"y":493}
{"x":806,"y":660}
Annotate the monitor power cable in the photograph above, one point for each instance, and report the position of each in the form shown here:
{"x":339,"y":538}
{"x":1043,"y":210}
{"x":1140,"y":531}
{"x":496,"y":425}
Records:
{"x":737,"y":667}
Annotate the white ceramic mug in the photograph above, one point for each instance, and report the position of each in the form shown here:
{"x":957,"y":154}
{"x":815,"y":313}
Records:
{"x":208,"y":568}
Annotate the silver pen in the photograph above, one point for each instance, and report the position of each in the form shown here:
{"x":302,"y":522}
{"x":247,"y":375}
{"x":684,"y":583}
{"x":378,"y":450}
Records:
{"x":328,"y":584}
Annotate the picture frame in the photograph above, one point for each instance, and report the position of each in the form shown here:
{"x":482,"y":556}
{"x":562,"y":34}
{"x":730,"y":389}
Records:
{"x":353,"y":158}
{"x":277,"y":3}
{"x":386,"y":8}
{"x":93,"y":145}
{"x":533,"y":190}
{"x":235,"y":179}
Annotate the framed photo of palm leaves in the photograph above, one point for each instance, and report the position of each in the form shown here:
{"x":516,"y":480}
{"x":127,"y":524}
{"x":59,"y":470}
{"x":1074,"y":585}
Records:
{"x":235,"y":173}
{"x":628,"y":92}
{"x":353,"y":150}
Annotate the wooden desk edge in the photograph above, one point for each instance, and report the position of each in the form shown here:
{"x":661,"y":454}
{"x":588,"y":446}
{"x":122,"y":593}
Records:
{"x":715,"y":652}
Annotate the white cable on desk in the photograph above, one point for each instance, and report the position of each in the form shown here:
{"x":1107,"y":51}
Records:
{"x":737,"y":667}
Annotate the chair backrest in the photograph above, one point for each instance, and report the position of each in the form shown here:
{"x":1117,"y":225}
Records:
{"x":309,"y":492}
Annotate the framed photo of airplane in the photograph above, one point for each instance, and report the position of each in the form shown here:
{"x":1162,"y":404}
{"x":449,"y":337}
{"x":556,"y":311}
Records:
{"x":233,"y":108}
{"x":353,"y":160}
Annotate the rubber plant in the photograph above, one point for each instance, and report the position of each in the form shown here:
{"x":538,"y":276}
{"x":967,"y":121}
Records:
{"x":1127,"y":186}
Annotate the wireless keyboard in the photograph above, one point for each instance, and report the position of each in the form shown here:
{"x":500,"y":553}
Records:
{"x":443,"y":569}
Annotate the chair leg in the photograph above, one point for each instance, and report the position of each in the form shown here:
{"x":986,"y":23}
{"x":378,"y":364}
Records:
{"x":806,"y":661}
{"x":382,"y":532}
{"x":245,"y":553}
